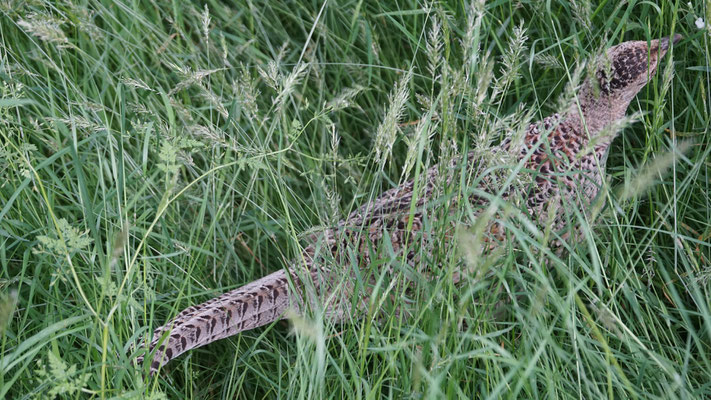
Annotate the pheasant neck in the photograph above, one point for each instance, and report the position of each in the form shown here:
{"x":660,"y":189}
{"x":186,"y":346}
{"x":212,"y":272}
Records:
{"x":595,"y":121}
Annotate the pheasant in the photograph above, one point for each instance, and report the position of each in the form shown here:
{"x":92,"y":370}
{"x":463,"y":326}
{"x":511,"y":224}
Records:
{"x":566,"y":153}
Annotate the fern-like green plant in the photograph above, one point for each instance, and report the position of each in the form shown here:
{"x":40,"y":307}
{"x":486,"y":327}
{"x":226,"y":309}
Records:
{"x":62,"y":380}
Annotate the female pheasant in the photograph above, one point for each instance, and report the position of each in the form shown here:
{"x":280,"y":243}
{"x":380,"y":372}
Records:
{"x":565,"y":154}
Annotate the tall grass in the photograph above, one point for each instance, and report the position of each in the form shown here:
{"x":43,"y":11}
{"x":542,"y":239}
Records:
{"x":156,"y":154}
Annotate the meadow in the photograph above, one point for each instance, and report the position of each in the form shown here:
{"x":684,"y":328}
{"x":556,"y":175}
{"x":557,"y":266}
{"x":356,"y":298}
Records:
{"x":156,"y":154}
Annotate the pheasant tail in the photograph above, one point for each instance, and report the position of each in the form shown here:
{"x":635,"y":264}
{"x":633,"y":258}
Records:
{"x":255,"y":304}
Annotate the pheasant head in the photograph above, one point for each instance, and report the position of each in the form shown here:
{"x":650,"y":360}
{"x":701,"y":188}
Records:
{"x":619,"y":75}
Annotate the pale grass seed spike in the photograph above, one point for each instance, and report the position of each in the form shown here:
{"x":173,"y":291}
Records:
{"x":602,"y":101}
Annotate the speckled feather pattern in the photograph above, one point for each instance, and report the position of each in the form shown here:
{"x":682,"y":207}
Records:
{"x":559,"y":156}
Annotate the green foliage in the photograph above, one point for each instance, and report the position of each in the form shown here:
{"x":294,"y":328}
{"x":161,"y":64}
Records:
{"x":63,"y":381}
{"x":155,"y":154}
{"x":68,"y":241}
{"x":8,"y":302}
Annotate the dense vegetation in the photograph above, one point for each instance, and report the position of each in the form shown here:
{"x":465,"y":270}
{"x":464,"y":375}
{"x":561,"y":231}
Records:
{"x":155,"y":154}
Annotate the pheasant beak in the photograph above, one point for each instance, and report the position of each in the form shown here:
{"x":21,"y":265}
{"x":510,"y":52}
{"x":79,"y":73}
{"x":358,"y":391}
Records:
{"x":659,"y":48}
{"x":665,"y":42}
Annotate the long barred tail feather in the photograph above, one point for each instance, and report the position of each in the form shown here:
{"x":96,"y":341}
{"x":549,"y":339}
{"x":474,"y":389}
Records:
{"x":255,"y":304}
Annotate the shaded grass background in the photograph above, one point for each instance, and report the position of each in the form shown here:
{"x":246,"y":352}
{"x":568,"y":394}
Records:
{"x":157,"y":154}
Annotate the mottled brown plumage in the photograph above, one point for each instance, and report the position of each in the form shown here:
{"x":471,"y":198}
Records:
{"x":565,"y":156}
